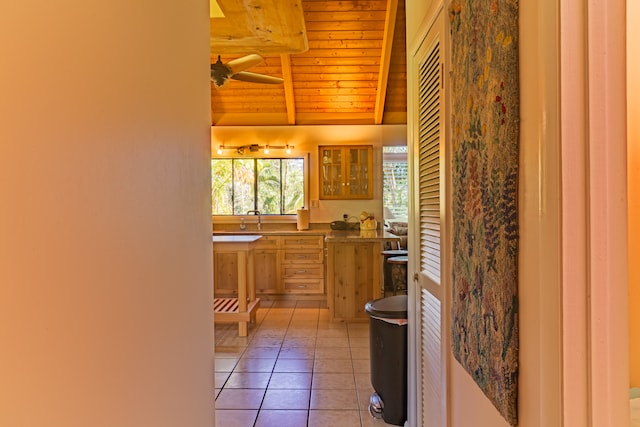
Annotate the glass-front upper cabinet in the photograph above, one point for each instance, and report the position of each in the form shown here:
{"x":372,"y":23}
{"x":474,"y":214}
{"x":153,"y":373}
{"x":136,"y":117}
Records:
{"x":346,"y":172}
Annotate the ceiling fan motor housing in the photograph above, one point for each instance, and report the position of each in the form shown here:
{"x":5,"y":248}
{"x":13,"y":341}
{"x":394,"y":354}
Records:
{"x":219,"y":74}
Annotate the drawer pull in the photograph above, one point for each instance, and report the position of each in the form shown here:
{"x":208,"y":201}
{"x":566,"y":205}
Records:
{"x":301,"y":271}
{"x":301,"y":256}
{"x":302,"y":286}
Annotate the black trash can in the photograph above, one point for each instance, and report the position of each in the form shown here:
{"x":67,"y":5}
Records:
{"x":388,"y":342}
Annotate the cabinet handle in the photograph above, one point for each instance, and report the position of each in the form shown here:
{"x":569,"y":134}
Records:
{"x":301,"y":271}
{"x":302,"y":286}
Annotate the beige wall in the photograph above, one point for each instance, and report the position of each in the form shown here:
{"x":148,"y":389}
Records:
{"x":633,"y":147}
{"x":306,"y":139}
{"x":105,"y":250}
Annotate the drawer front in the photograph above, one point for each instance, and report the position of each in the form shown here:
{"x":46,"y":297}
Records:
{"x":304,"y":286}
{"x":303,"y":271}
{"x":303,"y":256}
{"x":303,"y":242}
{"x":267,"y":242}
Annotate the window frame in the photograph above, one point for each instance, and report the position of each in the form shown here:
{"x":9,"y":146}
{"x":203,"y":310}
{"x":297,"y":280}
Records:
{"x":274,"y":218}
{"x":395,"y":154}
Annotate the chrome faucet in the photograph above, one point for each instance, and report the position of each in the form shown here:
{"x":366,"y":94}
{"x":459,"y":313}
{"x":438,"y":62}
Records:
{"x":256,"y":212}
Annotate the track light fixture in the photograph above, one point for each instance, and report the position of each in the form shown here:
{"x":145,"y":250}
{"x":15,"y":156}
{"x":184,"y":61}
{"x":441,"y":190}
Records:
{"x":254,"y":148}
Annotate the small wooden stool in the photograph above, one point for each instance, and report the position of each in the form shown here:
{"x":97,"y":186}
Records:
{"x":387,"y":286}
{"x":398,"y":273}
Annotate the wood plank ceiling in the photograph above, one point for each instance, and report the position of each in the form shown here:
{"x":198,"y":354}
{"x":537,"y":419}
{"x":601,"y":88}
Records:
{"x":354,"y":71}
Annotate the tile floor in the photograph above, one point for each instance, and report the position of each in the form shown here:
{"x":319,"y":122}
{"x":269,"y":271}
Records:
{"x":294,"y":369}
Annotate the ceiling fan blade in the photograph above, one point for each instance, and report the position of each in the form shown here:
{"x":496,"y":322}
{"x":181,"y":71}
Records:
{"x":246,"y":76}
{"x":243,"y":63}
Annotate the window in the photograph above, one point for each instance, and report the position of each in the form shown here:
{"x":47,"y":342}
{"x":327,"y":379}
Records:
{"x":395,"y":182}
{"x":272,"y":186}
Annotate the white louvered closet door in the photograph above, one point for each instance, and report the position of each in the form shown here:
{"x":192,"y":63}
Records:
{"x":429,"y":210}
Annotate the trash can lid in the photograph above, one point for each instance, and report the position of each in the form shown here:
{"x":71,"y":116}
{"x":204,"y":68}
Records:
{"x":394,"y":307}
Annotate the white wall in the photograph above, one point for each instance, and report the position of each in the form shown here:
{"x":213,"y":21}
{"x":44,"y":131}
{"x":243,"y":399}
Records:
{"x":105,"y":251}
{"x":306,"y":139}
{"x":539,"y":261}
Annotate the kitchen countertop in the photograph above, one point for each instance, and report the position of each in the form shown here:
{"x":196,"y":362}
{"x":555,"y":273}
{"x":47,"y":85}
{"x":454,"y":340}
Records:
{"x":266,"y":232}
{"x":339,"y":236}
{"x":331,"y":236}
{"x":235,"y":238}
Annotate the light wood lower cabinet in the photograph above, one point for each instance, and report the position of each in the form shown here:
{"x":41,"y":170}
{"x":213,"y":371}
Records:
{"x":283,"y":264}
{"x":225,"y":277}
{"x":267,"y":271}
{"x":267,"y":265}
{"x":353,"y":270}
{"x":302,"y":265}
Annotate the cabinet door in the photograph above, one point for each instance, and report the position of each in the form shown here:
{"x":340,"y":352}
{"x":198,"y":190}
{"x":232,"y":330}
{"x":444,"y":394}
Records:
{"x":331,"y":173}
{"x":267,"y":271}
{"x":225,"y":269}
{"x":267,"y":242}
{"x":266,"y":261}
{"x":346,"y":172}
{"x":359,"y":170}
{"x":351,"y":279}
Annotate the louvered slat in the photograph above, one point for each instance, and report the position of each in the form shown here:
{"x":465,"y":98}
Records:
{"x":429,"y":164}
{"x":431,"y":354}
{"x":428,"y":130}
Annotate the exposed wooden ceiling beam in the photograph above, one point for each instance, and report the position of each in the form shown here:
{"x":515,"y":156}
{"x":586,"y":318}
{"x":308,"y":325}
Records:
{"x":385,"y":59}
{"x":288,"y":89}
{"x":259,"y":26}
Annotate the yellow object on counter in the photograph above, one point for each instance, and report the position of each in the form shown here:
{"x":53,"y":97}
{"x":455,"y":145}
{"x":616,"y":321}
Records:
{"x":367,"y":221}
{"x":369,"y":224}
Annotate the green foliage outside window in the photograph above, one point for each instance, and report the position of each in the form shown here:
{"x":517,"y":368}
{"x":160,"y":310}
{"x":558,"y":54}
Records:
{"x":395,"y":174}
{"x":272,"y":186}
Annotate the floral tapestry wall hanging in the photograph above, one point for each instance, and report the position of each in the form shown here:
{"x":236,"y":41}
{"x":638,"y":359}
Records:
{"x":485,"y":132}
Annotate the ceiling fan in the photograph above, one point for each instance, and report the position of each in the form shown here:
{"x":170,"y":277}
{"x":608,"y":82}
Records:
{"x":235,"y":69}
